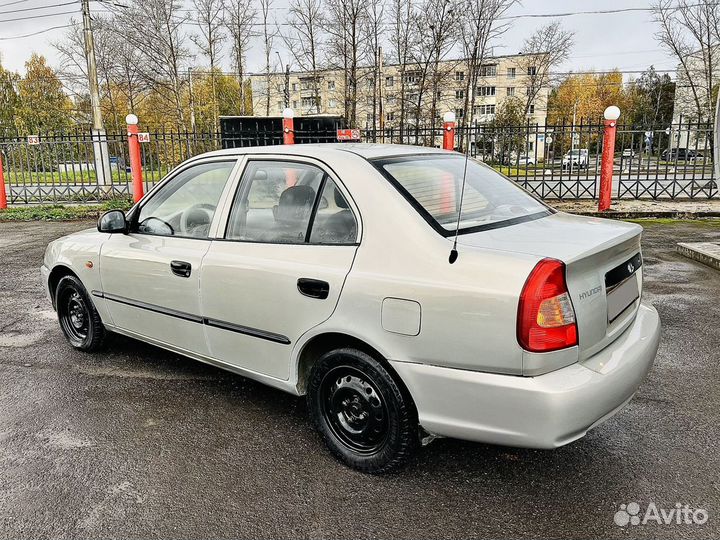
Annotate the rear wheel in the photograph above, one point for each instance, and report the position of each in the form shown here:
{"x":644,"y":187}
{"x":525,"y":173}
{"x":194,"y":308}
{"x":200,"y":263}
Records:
{"x":362,"y":414}
{"x":79,"y":320}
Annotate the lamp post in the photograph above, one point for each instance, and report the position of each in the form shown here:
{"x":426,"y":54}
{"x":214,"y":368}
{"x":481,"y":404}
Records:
{"x":612,"y":114}
{"x":449,"y":131}
{"x":288,"y":126}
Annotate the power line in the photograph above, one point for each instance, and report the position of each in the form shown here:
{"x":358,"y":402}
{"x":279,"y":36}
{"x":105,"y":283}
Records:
{"x":32,"y":17}
{"x":36,"y":8}
{"x":13,"y":3}
{"x":37,"y":33}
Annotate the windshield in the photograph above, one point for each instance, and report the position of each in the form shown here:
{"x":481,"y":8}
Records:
{"x":433,"y":184}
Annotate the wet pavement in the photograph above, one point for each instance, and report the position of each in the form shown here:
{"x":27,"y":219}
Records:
{"x":137,"y":442}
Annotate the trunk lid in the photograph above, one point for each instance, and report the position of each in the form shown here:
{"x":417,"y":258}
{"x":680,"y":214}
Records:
{"x":603,"y":261}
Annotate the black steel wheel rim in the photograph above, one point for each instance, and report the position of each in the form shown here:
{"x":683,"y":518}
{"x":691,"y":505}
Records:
{"x":354,"y":409}
{"x":74,"y":315}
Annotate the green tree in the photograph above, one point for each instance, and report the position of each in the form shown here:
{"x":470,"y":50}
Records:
{"x":44,"y":106}
{"x":508,"y":129}
{"x":9,"y":99}
{"x":652,"y":100}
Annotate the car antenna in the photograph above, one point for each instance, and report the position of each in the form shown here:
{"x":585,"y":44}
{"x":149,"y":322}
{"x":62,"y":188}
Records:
{"x":454,"y":252}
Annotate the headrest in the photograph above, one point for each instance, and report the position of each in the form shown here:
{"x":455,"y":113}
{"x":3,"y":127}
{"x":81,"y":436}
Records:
{"x":295,"y":204}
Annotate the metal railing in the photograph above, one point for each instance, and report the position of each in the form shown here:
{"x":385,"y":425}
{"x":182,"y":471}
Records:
{"x":560,"y":161}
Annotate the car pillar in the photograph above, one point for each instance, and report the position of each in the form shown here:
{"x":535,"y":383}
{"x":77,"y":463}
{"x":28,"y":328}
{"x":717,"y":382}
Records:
{"x":135,"y":157}
{"x":612,"y":114}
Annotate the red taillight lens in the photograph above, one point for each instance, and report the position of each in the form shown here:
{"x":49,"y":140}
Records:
{"x":546,"y":318}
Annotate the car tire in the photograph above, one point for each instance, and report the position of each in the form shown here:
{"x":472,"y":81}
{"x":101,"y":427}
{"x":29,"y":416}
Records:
{"x":79,"y":320}
{"x":365,"y":418}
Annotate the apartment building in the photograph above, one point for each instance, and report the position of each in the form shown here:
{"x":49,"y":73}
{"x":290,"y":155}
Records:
{"x":502,"y":77}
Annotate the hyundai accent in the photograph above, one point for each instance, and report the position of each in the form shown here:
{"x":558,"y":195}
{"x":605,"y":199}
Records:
{"x":408,"y":293}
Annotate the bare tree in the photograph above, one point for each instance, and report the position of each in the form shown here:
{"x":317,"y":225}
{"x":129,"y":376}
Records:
{"x":304,"y":40}
{"x":374,"y":29}
{"x":344,"y":24}
{"x":401,"y":17}
{"x":268,"y":35}
{"x":435,"y":24}
{"x":479,"y":27}
{"x":548,"y":47}
{"x":158,"y":24}
{"x":241,"y":16}
{"x":689,"y":31}
{"x":209,"y":40}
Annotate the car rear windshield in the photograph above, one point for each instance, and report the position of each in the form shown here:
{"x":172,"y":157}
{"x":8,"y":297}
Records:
{"x":433,"y":185}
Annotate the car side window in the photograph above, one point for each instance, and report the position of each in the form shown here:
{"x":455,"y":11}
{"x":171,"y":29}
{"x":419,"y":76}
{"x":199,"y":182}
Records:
{"x":185,"y":206}
{"x":275,"y":202}
{"x":334,"y":221}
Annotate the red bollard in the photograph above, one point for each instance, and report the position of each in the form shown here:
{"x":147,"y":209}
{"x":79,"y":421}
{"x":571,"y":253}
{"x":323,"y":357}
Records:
{"x":612,"y":114}
{"x":288,"y":128}
{"x":449,"y":131}
{"x":3,"y":193}
{"x":135,"y":157}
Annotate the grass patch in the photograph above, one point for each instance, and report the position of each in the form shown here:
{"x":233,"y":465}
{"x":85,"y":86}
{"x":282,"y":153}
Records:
{"x":60,"y":212}
{"x":700,"y":222}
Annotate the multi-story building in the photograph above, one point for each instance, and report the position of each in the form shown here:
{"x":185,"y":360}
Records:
{"x":501,"y":77}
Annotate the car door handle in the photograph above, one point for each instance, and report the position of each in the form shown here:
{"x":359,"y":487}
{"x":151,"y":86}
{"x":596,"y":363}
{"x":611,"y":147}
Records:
{"x":314,"y":288}
{"x":181,"y":268}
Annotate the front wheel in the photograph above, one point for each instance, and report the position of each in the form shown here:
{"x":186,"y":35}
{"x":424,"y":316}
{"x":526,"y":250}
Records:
{"x":365,"y":418}
{"x":79,"y":320}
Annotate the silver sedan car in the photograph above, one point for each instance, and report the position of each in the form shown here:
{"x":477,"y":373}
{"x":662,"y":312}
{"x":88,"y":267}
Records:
{"x":407,"y":292}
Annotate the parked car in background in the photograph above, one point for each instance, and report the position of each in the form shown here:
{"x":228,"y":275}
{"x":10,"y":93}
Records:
{"x":526,"y":161}
{"x":576,"y":159}
{"x":330,"y":271}
{"x":628,"y":153}
{"x":682,"y":154}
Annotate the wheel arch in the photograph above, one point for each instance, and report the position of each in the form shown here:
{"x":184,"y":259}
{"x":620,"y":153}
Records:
{"x":319,"y":344}
{"x":58,"y":272}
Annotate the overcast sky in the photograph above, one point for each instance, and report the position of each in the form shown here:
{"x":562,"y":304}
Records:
{"x":602,"y":42}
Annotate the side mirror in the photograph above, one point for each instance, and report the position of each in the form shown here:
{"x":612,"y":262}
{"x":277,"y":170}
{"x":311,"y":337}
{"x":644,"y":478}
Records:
{"x":112,"y":221}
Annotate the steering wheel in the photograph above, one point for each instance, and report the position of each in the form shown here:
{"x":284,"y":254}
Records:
{"x":196,"y":216}
{"x":153,"y":225}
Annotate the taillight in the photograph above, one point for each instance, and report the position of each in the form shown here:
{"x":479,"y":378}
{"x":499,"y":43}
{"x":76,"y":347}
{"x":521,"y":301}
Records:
{"x":546,"y":318}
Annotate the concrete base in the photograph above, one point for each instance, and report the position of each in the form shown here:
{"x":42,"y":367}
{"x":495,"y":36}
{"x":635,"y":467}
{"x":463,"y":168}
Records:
{"x":705,"y":252}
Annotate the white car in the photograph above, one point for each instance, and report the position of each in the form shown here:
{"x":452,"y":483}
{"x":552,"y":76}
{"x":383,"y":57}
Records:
{"x":330,"y":271}
{"x":576,"y":159}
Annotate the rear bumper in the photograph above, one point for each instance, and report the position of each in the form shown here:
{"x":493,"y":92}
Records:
{"x":546,"y":411}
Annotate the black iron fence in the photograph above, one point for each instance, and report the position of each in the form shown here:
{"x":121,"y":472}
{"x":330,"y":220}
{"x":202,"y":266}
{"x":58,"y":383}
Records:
{"x":553,"y":161}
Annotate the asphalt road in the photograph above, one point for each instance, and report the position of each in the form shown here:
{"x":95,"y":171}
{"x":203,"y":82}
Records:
{"x":141,"y":443}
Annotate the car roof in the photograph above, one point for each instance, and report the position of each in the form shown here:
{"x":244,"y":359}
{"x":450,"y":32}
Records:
{"x":368,"y":151}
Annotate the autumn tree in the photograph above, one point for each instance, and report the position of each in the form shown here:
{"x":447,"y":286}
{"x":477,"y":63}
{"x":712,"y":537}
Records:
{"x":9,"y":99}
{"x":586,"y":96}
{"x":44,"y":105}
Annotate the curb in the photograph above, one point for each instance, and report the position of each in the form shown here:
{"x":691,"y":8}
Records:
{"x":649,"y":214}
{"x":706,"y":253}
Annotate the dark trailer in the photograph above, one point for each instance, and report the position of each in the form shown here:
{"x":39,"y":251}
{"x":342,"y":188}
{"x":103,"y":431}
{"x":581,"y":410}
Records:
{"x":241,"y":131}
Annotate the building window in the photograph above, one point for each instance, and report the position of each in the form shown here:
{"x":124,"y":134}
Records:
{"x":511,"y":72}
{"x":369,"y":100}
{"x":488,"y":71}
{"x":390,"y":116}
{"x":531,"y":109}
{"x":390,"y":81}
{"x":391,"y":100}
{"x":370,"y":83}
{"x":280,"y":105}
{"x":369,"y":118}
{"x":531,"y":146}
{"x":483,"y":110}
{"x":331,"y":85}
{"x":294,"y":87}
{"x":486,"y":90}
{"x":332,"y":103}
{"x":459,"y":76}
{"x":532,"y":71}
{"x":294,"y":103}
{"x":438,"y":95}
{"x":411,"y":77}
{"x":459,"y":113}
{"x":308,"y":102}
{"x":459,"y":94}
{"x":511,"y":91}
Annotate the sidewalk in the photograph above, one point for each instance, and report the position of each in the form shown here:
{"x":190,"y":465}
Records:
{"x":634,"y":209}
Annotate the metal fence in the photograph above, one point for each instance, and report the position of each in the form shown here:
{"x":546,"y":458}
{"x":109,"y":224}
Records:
{"x":553,"y":161}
